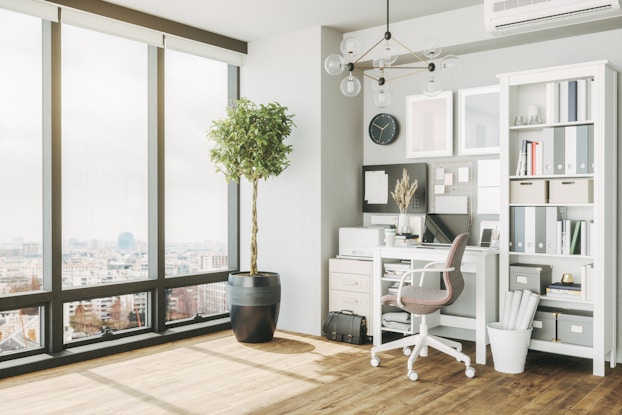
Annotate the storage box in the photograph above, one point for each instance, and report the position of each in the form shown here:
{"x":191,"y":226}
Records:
{"x":576,"y":328}
{"x":545,"y":324}
{"x":571,"y":191}
{"x":529,"y":191}
{"x":532,"y":277}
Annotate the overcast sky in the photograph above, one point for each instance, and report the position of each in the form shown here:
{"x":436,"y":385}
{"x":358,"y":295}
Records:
{"x":104,"y":126}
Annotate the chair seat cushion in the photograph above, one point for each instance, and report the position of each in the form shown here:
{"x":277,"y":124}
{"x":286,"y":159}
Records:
{"x":419,"y":300}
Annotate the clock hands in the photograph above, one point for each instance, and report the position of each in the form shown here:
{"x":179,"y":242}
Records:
{"x":381,"y":129}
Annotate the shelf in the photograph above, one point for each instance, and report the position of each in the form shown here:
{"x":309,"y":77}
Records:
{"x":535,"y":127}
{"x":551,"y":256}
{"x":554,"y":176}
{"x":587,"y":305}
{"x":562,"y":348}
{"x":554,"y":204}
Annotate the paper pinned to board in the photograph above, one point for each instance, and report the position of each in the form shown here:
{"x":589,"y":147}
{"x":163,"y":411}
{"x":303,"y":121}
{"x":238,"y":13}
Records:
{"x":451,"y":204}
{"x":488,"y":173}
{"x":488,"y":200}
{"x":376,"y":187}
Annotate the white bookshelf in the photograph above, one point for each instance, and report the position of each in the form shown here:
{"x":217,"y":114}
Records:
{"x":519,"y":91}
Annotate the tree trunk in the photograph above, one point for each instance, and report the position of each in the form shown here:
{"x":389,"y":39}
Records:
{"x":254,"y":230}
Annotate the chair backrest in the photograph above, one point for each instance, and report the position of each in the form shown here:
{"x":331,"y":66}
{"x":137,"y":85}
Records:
{"x":454,"y":282}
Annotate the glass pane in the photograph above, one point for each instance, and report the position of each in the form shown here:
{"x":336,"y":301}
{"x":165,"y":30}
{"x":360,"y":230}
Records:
{"x":196,"y":196}
{"x":20,"y":153}
{"x":105,"y":178}
{"x":96,"y":317}
{"x":20,"y":329}
{"x":187,"y":302}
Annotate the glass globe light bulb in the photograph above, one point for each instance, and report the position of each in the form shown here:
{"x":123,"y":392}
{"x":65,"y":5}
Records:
{"x":386,"y":58}
{"x":382,"y":97}
{"x":432,"y":87}
{"x":434,"y":48}
{"x":350,"y":47}
{"x":334,"y":64}
{"x":350,"y":86}
{"x":450,"y":64}
{"x":389,"y":54}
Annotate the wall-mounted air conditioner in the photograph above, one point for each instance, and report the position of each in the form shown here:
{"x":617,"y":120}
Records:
{"x":503,"y":17}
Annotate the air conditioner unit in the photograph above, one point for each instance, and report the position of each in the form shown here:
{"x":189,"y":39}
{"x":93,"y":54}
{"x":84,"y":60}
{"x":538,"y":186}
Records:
{"x":503,"y":17}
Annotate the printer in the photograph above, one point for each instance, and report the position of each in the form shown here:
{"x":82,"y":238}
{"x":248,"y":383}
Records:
{"x":358,"y":241}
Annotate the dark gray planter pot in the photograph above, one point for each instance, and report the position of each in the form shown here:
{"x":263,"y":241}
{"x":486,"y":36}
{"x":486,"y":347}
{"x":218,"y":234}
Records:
{"x":254,"y":303}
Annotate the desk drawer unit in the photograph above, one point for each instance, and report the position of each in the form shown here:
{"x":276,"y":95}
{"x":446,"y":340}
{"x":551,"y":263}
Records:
{"x":349,"y":287}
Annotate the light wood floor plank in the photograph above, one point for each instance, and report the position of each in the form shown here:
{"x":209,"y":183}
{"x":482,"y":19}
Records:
{"x":300,"y":374}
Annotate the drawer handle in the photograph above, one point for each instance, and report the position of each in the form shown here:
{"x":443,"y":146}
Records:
{"x":351,"y":300}
{"x":351,"y":283}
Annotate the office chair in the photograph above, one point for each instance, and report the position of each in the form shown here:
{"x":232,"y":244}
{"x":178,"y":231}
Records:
{"x":421,"y":301}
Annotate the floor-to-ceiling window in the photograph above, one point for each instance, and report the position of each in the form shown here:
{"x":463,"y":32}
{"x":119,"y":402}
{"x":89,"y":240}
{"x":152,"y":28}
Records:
{"x":20,"y":176}
{"x":104,"y":176}
{"x":197,"y":210}
{"x":113,"y":222}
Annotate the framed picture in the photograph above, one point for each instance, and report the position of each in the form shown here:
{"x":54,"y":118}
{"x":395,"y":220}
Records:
{"x":478,"y":120}
{"x":429,"y":125}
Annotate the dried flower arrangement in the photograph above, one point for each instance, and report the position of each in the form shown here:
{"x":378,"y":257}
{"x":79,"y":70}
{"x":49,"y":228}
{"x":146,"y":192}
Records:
{"x":404,"y":191}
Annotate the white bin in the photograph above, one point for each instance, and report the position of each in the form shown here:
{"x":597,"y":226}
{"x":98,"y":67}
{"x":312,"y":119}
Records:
{"x":509,"y":348}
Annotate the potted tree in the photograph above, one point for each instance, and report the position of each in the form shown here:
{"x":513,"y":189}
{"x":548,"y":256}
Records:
{"x":249,"y":144}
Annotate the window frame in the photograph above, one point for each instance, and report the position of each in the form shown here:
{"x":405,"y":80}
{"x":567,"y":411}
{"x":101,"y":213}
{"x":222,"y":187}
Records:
{"x":52,"y":298}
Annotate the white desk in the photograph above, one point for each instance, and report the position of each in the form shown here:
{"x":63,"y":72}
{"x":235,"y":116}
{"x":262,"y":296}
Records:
{"x":483,"y":265}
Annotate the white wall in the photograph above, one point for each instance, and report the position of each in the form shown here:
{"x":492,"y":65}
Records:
{"x":299,"y":211}
{"x":480,"y":69}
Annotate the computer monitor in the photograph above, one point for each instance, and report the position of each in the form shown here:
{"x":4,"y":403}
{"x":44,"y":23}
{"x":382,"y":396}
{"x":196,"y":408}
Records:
{"x":442,"y":228}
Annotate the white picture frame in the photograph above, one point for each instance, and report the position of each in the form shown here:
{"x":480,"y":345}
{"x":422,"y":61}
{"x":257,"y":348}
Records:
{"x":429,"y":125}
{"x":488,"y":234}
{"x":478,"y":120}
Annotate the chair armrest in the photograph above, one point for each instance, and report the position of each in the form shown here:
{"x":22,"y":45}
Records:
{"x":428,"y":267}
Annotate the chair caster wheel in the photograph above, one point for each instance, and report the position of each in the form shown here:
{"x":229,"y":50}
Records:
{"x":469,"y":372}
{"x":412,"y":375}
{"x":406,"y":350}
{"x":375,"y":362}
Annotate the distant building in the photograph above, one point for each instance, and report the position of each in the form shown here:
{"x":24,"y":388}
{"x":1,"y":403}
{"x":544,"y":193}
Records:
{"x":126,"y":241}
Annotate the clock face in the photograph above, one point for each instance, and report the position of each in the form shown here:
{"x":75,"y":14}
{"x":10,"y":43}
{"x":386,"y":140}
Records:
{"x":383,"y":129}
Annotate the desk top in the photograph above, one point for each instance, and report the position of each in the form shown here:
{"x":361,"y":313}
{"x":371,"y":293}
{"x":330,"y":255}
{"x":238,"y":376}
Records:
{"x":418,"y":250}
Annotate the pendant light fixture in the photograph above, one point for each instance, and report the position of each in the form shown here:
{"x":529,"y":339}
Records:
{"x":383,"y":62}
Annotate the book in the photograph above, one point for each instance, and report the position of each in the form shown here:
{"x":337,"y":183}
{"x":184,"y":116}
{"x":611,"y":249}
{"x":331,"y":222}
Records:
{"x":563,"y":292}
{"x":521,"y":165}
{"x":565,"y":287}
{"x":563,"y":296}
{"x":572,"y":101}
{"x":552,"y":102}
{"x":576,"y":230}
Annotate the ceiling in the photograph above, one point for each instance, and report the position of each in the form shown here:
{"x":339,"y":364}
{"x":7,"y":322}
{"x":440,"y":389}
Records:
{"x":250,"y":20}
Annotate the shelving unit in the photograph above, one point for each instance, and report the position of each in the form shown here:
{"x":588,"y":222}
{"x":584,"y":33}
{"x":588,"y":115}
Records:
{"x":519,"y":91}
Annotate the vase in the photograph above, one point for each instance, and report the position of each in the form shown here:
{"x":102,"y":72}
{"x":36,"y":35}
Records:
{"x":403,"y":227}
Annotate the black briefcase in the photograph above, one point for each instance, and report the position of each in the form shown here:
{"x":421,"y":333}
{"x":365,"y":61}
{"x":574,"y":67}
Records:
{"x":345,"y":326}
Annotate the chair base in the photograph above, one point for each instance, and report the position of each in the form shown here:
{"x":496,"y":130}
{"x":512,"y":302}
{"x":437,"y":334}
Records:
{"x":421,"y":342}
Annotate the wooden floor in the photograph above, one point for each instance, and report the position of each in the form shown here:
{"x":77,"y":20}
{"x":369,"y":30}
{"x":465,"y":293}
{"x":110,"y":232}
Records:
{"x":298,"y":374}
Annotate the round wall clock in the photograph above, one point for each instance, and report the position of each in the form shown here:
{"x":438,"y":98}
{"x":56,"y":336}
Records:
{"x":383,"y":129}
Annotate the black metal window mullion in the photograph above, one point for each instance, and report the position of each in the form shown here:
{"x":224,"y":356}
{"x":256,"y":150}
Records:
{"x":156,"y":187}
{"x":52,"y":196}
